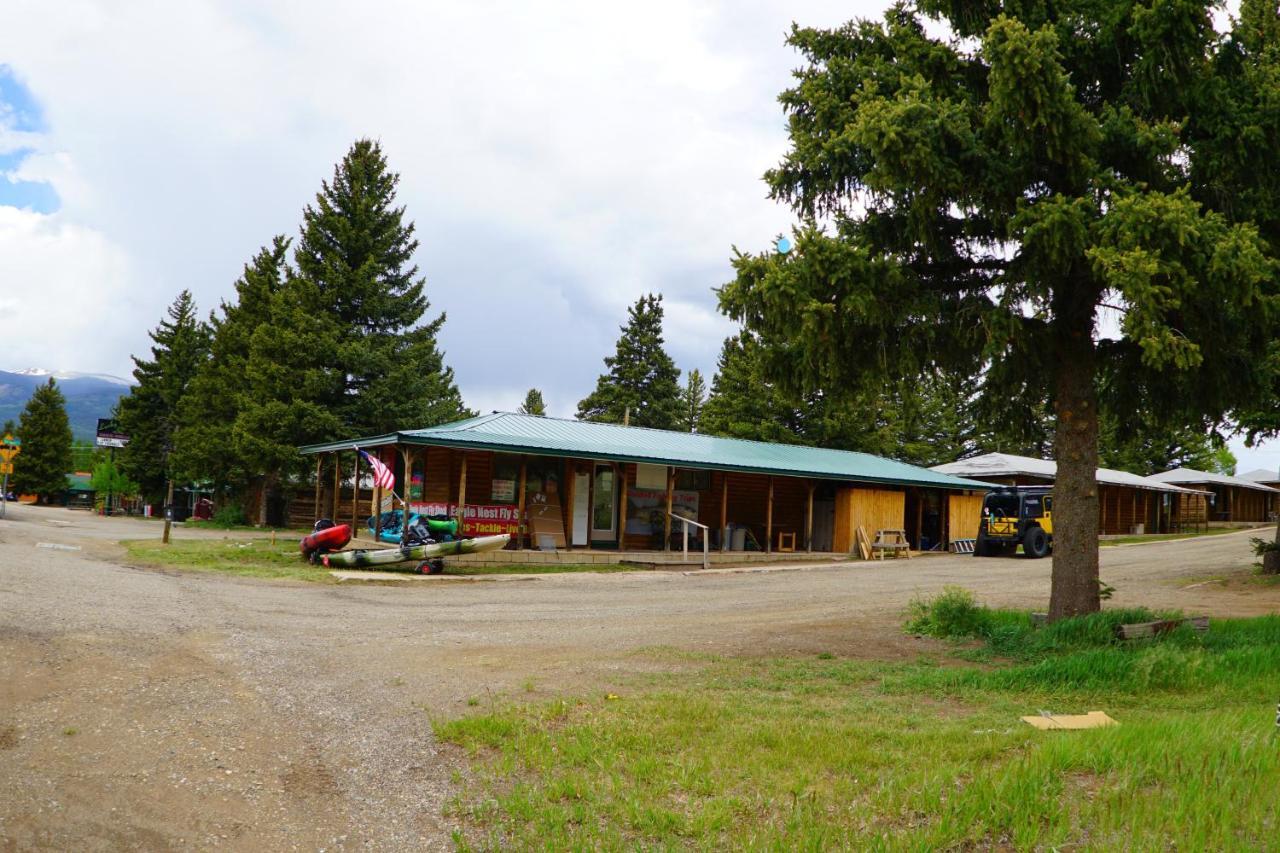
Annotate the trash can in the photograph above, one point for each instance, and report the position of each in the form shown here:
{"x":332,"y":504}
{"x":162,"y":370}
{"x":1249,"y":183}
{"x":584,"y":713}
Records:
{"x":739,"y":540}
{"x":1138,"y":530}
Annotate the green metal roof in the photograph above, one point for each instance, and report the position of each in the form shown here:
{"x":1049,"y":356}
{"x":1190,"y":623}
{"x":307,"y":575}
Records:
{"x":511,"y":433}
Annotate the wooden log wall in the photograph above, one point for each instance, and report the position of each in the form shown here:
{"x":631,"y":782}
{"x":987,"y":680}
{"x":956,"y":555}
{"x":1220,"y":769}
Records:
{"x":870,"y":509}
{"x":964,"y":512}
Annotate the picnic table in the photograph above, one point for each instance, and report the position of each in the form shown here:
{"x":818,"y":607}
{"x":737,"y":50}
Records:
{"x":890,"y":541}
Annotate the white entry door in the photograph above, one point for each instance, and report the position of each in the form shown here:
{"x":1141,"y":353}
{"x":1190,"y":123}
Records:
{"x":581,"y":507}
{"x":604,"y":504}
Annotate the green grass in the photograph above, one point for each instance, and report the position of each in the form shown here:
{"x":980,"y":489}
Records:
{"x":258,"y":558}
{"x":819,"y":752}
{"x":1169,"y":537}
{"x":252,"y":558}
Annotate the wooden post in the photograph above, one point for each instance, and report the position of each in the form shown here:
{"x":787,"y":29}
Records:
{"x":462,"y":493}
{"x":622,"y":506}
{"x":337,"y":484}
{"x":723,"y":511}
{"x":168,"y":512}
{"x":808,"y":521}
{"x":316,"y":505}
{"x":591,"y":500}
{"x":768,"y":520}
{"x":520,"y":505}
{"x":1134,"y":510}
{"x":355,"y":499}
{"x":377,"y":507}
{"x":666,"y":519}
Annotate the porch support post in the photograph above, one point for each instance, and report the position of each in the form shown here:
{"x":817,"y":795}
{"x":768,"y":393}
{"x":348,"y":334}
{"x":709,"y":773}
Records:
{"x":355,"y":499}
{"x":808,"y":520}
{"x":622,"y":506}
{"x":520,"y":520}
{"x":316,"y":504}
{"x":337,"y":484}
{"x":462,"y":493}
{"x":768,"y":520}
{"x":724,"y":511}
{"x":666,"y":519}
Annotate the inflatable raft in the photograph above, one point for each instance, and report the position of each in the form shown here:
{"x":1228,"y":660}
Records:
{"x":326,"y":538}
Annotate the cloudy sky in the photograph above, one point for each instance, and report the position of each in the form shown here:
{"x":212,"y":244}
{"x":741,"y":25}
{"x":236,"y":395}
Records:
{"x":559,"y":159}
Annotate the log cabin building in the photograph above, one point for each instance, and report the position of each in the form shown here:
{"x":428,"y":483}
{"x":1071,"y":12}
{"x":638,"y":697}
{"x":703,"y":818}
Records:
{"x":1270,"y":479}
{"x":568,"y":485}
{"x":1127,"y":503}
{"x":1231,"y":499}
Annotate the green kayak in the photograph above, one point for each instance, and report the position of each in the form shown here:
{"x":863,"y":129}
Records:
{"x":361,"y":557}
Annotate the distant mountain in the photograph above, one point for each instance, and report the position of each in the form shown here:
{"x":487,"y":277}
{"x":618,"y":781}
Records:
{"x":89,"y":396}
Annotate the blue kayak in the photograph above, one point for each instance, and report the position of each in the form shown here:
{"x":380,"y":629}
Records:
{"x":441,"y":529}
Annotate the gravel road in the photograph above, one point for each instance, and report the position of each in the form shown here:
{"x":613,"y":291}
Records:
{"x":149,"y":709}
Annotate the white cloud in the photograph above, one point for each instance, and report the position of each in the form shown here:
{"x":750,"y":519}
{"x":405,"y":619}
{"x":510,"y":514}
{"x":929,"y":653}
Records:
{"x":64,"y":286}
{"x":559,"y":159}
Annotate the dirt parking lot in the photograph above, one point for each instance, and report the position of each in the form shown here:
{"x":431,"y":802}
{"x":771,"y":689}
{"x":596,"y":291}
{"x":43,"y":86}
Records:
{"x":147,"y":709}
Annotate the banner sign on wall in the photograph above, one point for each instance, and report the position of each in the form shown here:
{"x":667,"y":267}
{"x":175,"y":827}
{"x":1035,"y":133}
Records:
{"x":477,"y":519}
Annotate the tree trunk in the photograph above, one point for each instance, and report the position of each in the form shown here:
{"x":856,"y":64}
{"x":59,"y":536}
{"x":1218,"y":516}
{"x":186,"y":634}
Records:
{"x":262,"y":500}
{"x":1074,"y":589}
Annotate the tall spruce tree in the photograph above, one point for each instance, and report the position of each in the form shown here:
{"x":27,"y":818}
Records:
{"x":287,"y":378}
{"x":986,"y":193}
{"x":693,"y":396}
{"x":149,"y":414}
{"x":42,"y":466}
{"x":641,"y":379}
{"x":355,"y":256}
{"x":744,"y":403}
{"x":534,"y":404}
{"x":203,"y":448}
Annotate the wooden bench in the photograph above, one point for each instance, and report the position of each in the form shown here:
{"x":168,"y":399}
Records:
{"x":891,"y":542}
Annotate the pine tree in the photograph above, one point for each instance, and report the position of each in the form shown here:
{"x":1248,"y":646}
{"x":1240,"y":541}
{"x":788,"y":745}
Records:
{"x":41,"y":467}
{"x":355,"y":255}
{"x":286,"y":381}
{"x":641,"y":379}
{"x":971,"y":196}
{"x":742,"y":403}
{"x":149,"y":415}
{"x":693,"y":396}
{"x":533,"y":404}
{"x":203,"y":447}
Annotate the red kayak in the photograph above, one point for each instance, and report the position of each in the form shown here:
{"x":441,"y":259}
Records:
{"x":328,"y":539}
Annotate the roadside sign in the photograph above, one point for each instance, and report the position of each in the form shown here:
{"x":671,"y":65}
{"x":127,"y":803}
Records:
{"x":109,"y":434}
{"x":6,"y":467}
{"x":9,"y":448}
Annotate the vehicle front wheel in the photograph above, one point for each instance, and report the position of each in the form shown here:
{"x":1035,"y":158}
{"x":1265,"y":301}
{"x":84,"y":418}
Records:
{"x":1035,"y":544}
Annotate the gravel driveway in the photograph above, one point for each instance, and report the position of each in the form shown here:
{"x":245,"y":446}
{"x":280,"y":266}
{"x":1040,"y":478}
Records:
{"x":148,"y":709}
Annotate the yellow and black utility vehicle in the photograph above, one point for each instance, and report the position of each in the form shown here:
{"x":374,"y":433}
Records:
{"x":1013,"y":516}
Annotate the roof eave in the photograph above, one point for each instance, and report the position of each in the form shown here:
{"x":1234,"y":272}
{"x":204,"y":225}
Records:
{"x":957,"y":484}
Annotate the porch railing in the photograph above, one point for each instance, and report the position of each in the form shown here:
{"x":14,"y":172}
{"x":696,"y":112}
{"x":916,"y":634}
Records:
{"x":706,"y":555}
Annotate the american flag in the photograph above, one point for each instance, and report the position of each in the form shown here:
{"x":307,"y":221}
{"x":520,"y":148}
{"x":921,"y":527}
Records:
{"x":382,"y":476}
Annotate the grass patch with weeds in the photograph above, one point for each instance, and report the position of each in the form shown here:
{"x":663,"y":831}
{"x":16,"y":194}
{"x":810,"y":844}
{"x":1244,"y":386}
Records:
{"x":252,"y":558}
{"x":822,"y":752}
{"x":1169,"y":537}
{"x":258,"y":558}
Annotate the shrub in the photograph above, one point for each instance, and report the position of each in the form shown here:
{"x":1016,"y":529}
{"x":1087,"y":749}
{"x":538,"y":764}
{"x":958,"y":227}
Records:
{"x":228,"y":515}
{"x":953,"y":614}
